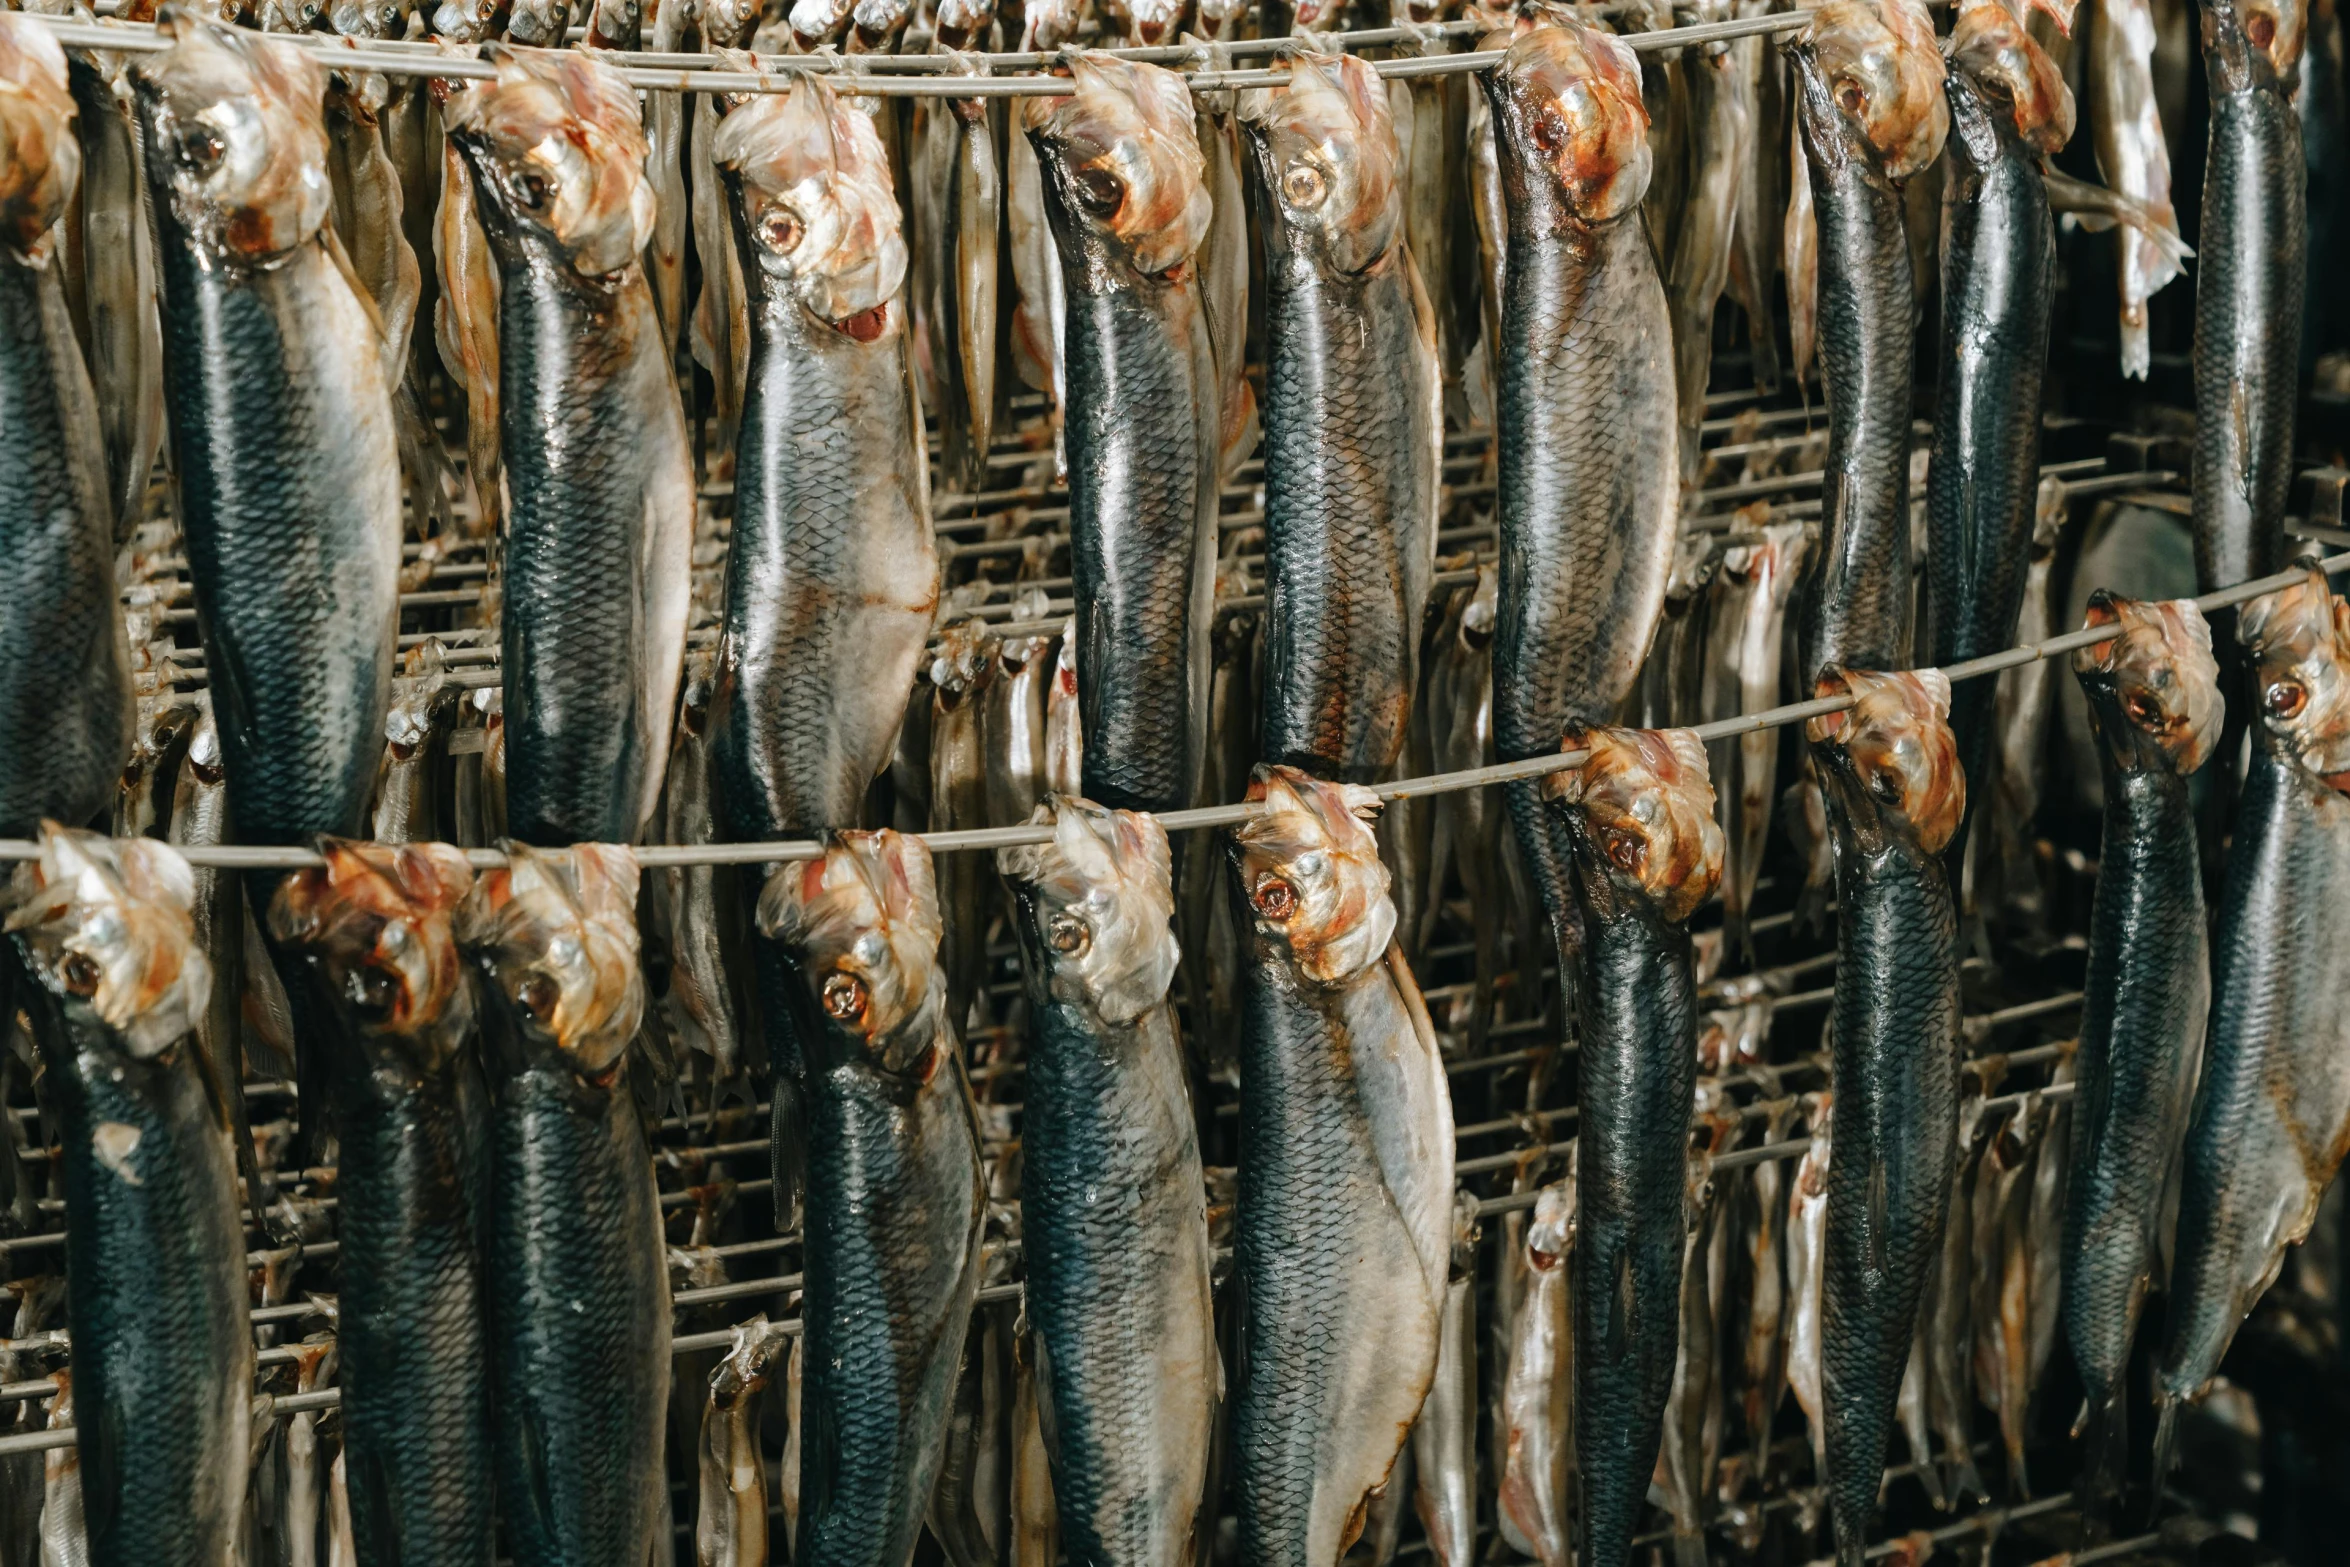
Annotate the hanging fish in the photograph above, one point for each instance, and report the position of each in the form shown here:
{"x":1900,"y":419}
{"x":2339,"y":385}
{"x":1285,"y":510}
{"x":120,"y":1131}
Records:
{"x":118,"y":249}
{"x":1746,"y":641}
{"x":730,"y":1528}
{"x":1537,"y":1403}
{"x":2134,"y":157}
{"x":1718,"y":90}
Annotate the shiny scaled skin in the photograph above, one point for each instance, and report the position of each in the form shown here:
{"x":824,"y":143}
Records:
{"x":1894,"y":797}
{"x":2154,"y":697}
{"x":831,"y":575}
{"x":2272,"y":1112}
{"x":154,"y":1263}
{"x":1857,"y":605}
{"x":1113,"y":1223}
{"x":1998,"y":286}
{"x":894,"y":1194}
{"x":592,"y":443}
{"x":1123,"y":193}
{"x":414,"y":1365}
{"x":1639,"y":814}
{"x":2251,"y":240}
{"x":1342,"y":1237}
{"x":1353,"y":423}
{"x":1589,"y":500}
{"x":281,"y":425}
{"x":66,"y":712}
{"x":577,"y":1282}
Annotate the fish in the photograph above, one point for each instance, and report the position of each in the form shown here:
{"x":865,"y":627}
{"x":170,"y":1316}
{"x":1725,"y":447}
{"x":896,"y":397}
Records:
{"x":1719,"y":93}
{"x":67,"y":710}
{"x":592,"y":443}
{"x":1124,"y":195}
{"x":1224,"y":264}
{"x":1762,"y":199}
{"x":2023,"y":707}
{"x":1692,"y":1408}
{"x":1588,"y":496}
{"x":2272,"y":1110}
{"x":701,"y":1003}
{"x":1949,"y":1318}
{"x":425,"y":706}
{"x":895,"y":1194}
{"x":1465,"y":824}
{"x":1914,"y":1411}
{"x":787,"y":1477}
{"x":465,"y":316}
{"x":155,"y":1253}
{"x":2009,"y":108}
{"x":832,"y":575}
{"x":1016,"y":727}
{"x":1889,"y":770}
{"x":290,"y":489}
{"x":375,"y":925}
{"x":1799,"y":257}
{"x":959,"y":679}
{"x":546,"y":24}
{"x":1807,"y":1227}
{"x":1040,"y":315}
{"x":1035,"y":1533}
{"x":1879,"y":56}
{"x":1354,"y":422}
{"x":2154,"y":703}
{"x":2253,"y":236}
{"x":2001,"y":1274}
{"x":342,"y":1548}
{"x":1746,"y":642}
{"x":64,"y":1535}
{"x":1444,"y":1438}
{"x":1113,"y":1215}
{"x":1638,"y":813}
{"x":125,"y":333}
{"x":2134,"y":158}
{"x":719,"y":325}
{"x":576,"y":1279}
{"x":1537,"y":1403}
{"x":614,"y":24}
{"x":730,"y":1528}
{"x":303,"y":1503}
{"x":1761,"y":1349}
{"x":973,"y":213}
{"x":1342,"y":1238}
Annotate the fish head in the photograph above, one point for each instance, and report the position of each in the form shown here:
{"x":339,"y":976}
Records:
{"x":817,"y":23}
{"x":1990,"y":44}
{"x":817,"y":203}
{"x":378,"y":921}
{"x":862,"y":925}
{"x":553,"y":932}
{"x":44,"y":161}
{"x":2254,"y":43}
{"x":960,"y":22}
{"x":1121,"y":160}
{"x":369,"y":19}
{"x":1869,"y":85}
{"x":2299,"y":637}
{"x":541,"y":24}
{"x":557,"y":148}
{"x":1097,"y":907}
{"x":1150,"y":23}
{"x":1311,"y":875}
{"x":1890,"y":761}
{"x":233,"y":119}
{"x":1550,"y":1233}
{"x":470,"y":21}
{"x":1047,"y":25}
{"x":728,"y":24}
{"x":1640,"y":810}
{"x":1328,"y":158}
{"x":1567,"y":100}
{"x":1218,"y":20}
{"x":2153,"y":689}
{"x":106,"y":926}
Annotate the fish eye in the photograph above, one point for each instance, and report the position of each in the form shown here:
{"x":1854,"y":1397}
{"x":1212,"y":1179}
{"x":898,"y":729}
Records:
{"x":2260,"y":29}
{"x":1886,"y":787}
{"x":372,"y":990}
{"x":537,"y":994}
{"x":532,"y":188}
{"x":1066,"y":933}
{"x":1624,"y":851}
{"x":844,"y":997}
{"x":1100,"y":191}
{"x":2285,"y":699}
{"x":781,"y":231}
{"x":1275,"y":899}
{"x":200,"y":149}
{"x":1303,"y":185}
{"x":1551,"y":131}
{"x":1851,"y":97}
{"x":2144,"y":711}
{"x":80,"y":972}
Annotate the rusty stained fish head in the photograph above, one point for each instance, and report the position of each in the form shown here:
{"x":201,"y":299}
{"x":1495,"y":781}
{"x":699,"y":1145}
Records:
{"x":43,"y":160}
{"x":2153,"y":690}
{"x":236,"y":123}
{"x":1122,"y":156}
{"x":1990,"y":44}
{"x":1310,"y":871}
{"x":1567,"y":98}
{"x":2253,"y":43}
{"x":1326,"y":150}
{"x":557,"y":148}
{"x":1101,"y":903}
{"x":823,"y":217}
{"x":1640,"y":809}
{"x":554,"y":935}
{"x":2299,"y":637}
{"x":105,"y":925}
{"x":1869,"y":85}
{"x":378,"y":920}
{"x":1890,"y":762}
{"x":542,"y":24}
{"x":863,"y":925}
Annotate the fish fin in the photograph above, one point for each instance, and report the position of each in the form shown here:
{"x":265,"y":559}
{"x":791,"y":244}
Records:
{"x":787,"y":1142}
{"x":2166,"y":1443}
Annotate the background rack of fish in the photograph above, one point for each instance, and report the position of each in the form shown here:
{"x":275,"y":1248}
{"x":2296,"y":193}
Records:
{"x":1379,"y":446}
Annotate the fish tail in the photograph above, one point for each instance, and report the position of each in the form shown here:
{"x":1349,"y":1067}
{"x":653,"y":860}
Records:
{"x":1852,"y":1537}
{"x":2104,"y":1429}
{"x":2166,"y":1440}
{"x":1966,"y":1479}
{"x":1689,"y":1548}
{"x":1548,"y":865}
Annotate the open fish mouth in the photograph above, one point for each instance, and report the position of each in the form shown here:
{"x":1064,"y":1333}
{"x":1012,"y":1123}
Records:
{"x":1989,"y":43}
{"x":2160,"y":668}
{"x":1894,"y":749}
{"x":1123,"y":148}
{"x":107,"y":923}
{"x":378,"y":916}
{"x":555,"y":931}
{"x":1104,"y":902}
